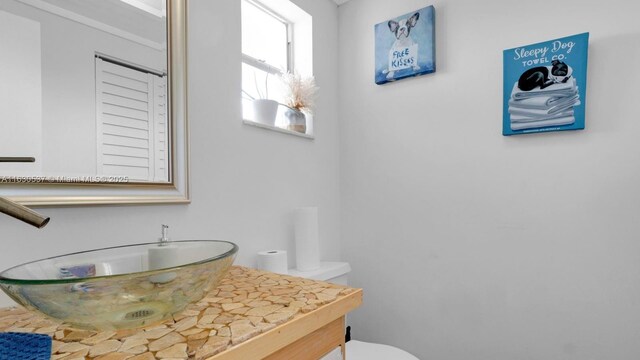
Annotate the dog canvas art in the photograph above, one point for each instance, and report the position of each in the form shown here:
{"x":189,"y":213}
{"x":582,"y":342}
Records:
{"x":545,"y":86}
{"x":545,"y":76}
{"x":405,"y":46}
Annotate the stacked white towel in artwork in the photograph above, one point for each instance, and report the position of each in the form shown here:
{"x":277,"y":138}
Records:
{"x":551,"y":106}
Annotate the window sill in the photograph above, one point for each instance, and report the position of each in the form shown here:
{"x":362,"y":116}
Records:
{"x":277,"y":129}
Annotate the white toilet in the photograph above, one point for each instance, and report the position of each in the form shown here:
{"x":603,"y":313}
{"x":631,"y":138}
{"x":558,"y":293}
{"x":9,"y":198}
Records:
{"x":336,"y":272}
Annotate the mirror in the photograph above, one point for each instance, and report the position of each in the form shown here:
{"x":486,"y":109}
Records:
{"x":93,"y":105}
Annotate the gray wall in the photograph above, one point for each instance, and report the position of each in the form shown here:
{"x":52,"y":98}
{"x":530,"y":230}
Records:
{"x":245,"y":180}
{"x":471,"y":245}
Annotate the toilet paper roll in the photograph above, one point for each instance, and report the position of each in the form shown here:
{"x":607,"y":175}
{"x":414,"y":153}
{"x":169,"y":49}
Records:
{"x":305,"y":221}
{"x":274,"y":261}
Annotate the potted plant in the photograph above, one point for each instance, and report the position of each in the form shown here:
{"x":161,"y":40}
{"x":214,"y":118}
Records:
{"x":299,"y":95}
{"x":264,"y":109}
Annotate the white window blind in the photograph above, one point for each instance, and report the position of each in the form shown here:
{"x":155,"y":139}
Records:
{"x":132,"y":129}
{"x":160,"y":126}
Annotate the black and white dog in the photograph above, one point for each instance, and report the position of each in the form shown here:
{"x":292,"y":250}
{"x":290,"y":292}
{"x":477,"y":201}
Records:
{"x":402,"y":31}
{"x":544,"y":76}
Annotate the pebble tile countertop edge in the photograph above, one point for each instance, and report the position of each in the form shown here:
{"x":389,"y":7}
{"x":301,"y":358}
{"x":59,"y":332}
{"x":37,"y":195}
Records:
{"x":246,"y":303}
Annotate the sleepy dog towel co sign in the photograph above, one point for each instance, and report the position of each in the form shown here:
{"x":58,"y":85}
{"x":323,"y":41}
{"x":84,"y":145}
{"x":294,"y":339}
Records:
{"x":405,"y":46}
{"x":545,"y":86}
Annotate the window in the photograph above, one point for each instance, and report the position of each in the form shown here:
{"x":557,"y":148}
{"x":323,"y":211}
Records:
{"x":265,"y":38}
{"x":271,"y":30}
{"x":265,"y":54}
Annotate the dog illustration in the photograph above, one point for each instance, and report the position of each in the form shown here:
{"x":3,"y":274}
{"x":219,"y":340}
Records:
{"x":544,"y":76}
{"x":402,"y":31}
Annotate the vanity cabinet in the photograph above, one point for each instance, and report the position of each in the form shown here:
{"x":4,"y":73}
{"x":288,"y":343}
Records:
{"x":251,"y":315}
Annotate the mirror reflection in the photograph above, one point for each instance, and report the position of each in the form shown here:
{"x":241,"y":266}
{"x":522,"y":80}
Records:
{"x":83,"y":96}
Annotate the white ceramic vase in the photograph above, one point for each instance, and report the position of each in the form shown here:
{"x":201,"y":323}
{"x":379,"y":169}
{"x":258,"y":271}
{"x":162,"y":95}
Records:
{"x":265,"y":111}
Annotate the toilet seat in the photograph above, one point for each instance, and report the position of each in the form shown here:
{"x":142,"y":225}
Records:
{"x":359,"y":350}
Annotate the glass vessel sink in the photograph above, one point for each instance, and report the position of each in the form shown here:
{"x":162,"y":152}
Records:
{"x":121,"y":287}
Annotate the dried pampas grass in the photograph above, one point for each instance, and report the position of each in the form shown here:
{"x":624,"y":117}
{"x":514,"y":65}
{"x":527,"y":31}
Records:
{"x":299,"y":92}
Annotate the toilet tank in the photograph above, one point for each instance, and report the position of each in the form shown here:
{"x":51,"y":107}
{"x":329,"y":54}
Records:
{"x":333,"y":272}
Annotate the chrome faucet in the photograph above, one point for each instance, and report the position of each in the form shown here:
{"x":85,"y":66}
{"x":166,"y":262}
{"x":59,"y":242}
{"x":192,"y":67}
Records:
{"x":23,"y":213}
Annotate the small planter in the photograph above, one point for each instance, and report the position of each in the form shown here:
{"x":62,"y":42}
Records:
{"x":265,"y":111}
{"x":296,"y":120}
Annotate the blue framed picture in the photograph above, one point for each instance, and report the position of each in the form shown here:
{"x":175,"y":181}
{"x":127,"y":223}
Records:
{"x":545,"y":86}
{"x":405,"y":46}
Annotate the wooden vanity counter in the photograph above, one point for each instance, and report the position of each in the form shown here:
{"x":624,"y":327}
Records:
{"x":251,"y":315}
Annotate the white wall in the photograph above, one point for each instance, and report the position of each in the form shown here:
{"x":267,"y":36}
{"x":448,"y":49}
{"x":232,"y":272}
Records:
{"x":471,"y":245}
{"x":245,"y":180}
